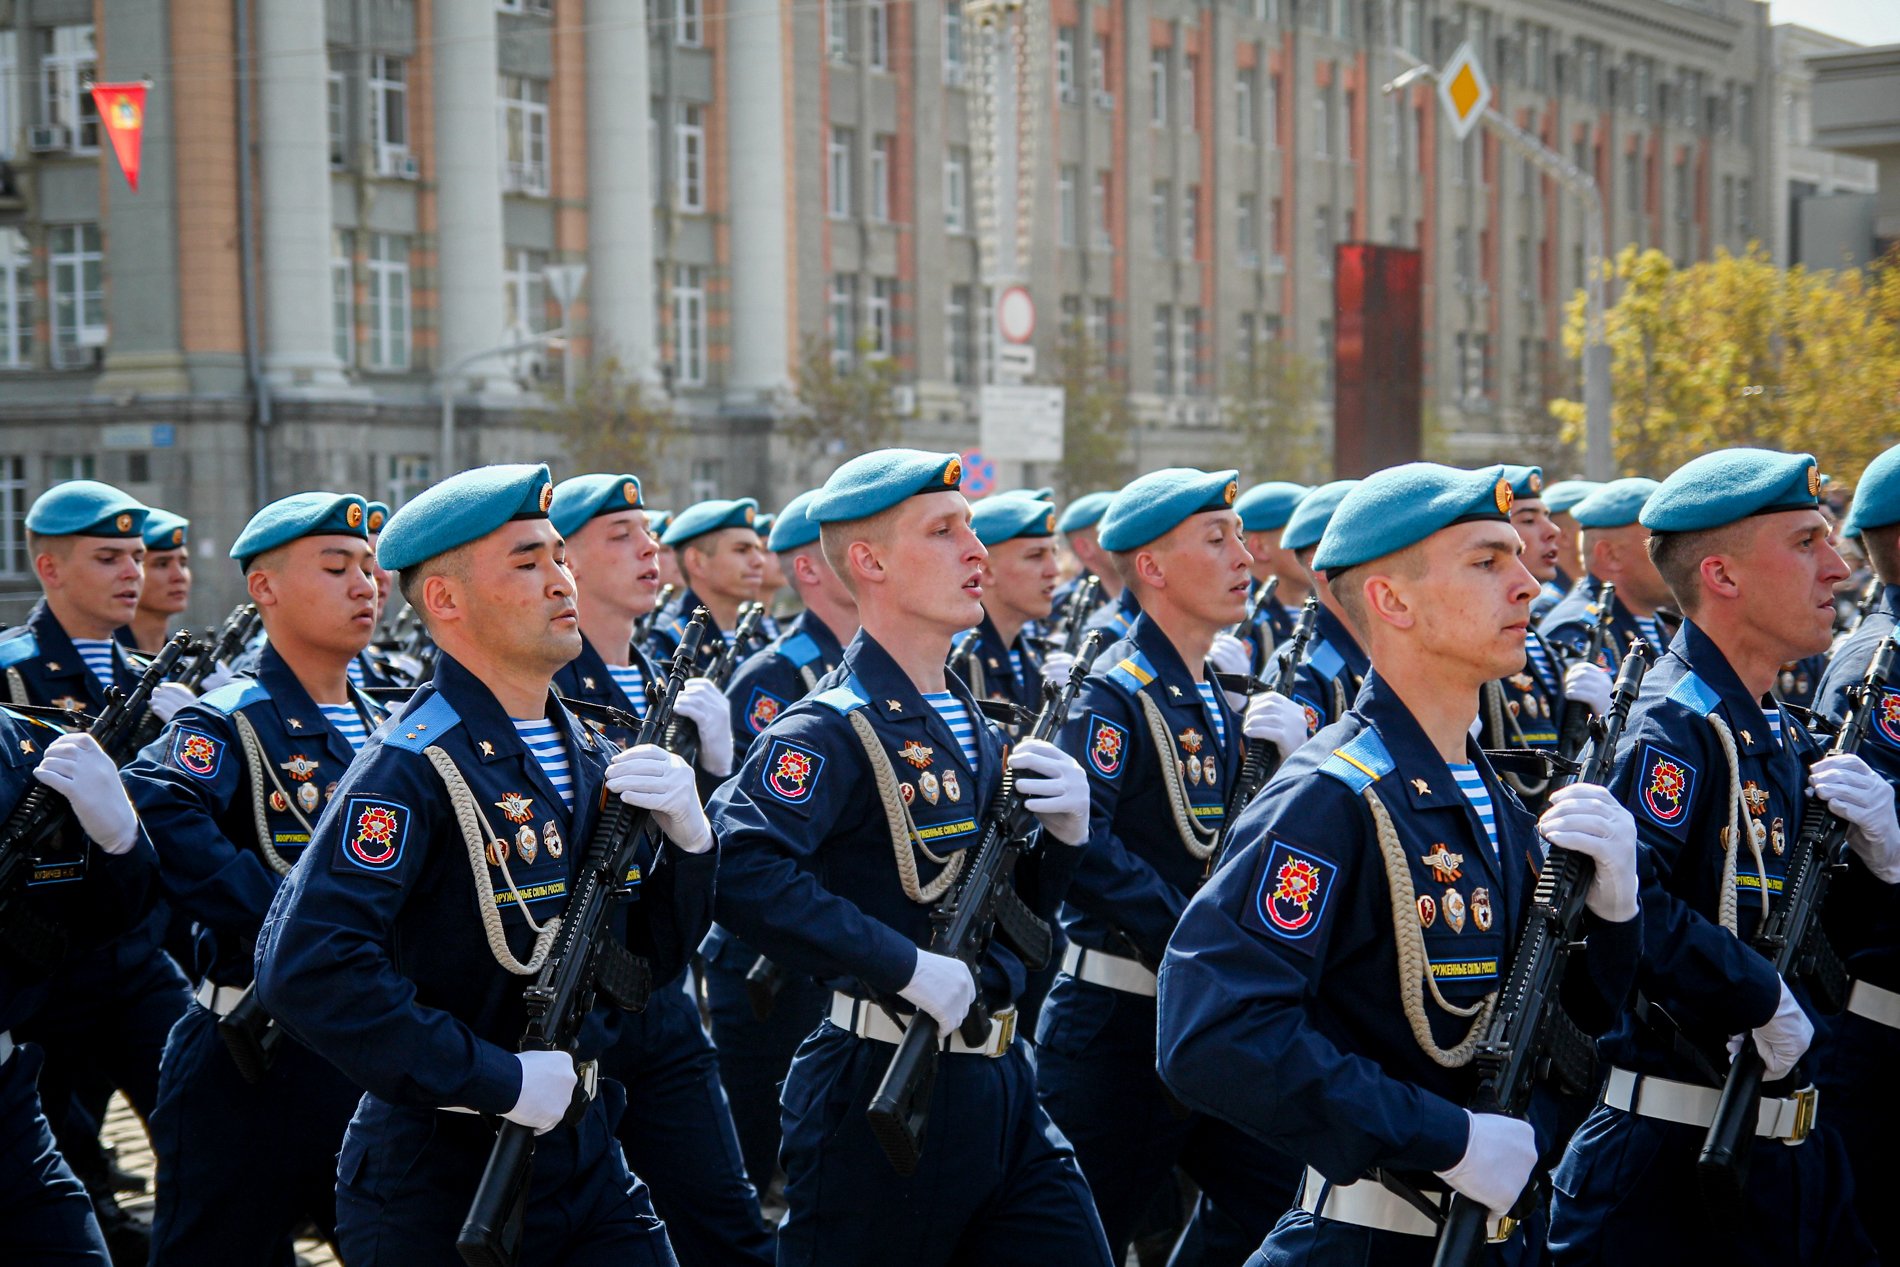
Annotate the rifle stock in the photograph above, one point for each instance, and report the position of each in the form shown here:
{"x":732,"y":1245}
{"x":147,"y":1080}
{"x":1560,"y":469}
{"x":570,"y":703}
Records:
{"x":1262,"y":759}
{"x":1576,"y":725}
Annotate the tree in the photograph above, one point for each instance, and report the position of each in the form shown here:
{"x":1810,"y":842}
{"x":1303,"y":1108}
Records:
{"x":1096,"y":418}
{"x":1738,"y":351}
{"x":1270,"y":413}
{"x":843,"y":409}
{"x":613,"y":424}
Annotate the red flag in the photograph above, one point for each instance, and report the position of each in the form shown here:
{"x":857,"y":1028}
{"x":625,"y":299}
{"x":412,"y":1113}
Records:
{"x":121,"y":110}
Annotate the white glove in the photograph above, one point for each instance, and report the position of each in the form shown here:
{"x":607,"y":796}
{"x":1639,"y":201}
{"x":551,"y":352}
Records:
{"x":1783,"y":1040}
{"x":1498,"y":1160}
{"x":168,"y":698}
{"x":707,"y":707}
{"x":1586,"y":819}
{"x":942,"y":988}
{"x":78,"y":769}
{"x":1055,"y":789}
{"x":220,"y":675}
{"x":1056,"y":666}
{"x":1229,"y":655}
{"x":547,"y":1089}
{"x":1851,"y":789}
{"x":650,"y":777}
{"x":1278,"y":720}
{"x":1590,"y":685}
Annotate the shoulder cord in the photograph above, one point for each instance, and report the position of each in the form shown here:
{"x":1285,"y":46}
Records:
{"x":903,"y":829}
{"x":16,"y":687}
{"x":809,"y":678}
{"x":469,"y":816}
{"x":1511,"y":736}
{"x":260,"y":772}
{"x":1340,"y":702}
{"x":1409,"y":940}
{"x":1741,"y":823}
{"x":1200,"y":842}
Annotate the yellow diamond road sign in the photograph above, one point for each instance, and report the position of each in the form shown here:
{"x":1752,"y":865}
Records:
{"x":1464,"y":90}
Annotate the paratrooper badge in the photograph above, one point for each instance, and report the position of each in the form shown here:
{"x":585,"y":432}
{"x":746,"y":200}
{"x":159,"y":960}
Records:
{"x":1455,"y":910}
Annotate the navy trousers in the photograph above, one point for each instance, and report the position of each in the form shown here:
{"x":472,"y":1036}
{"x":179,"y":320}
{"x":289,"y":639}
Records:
{"x":46,"y":1218}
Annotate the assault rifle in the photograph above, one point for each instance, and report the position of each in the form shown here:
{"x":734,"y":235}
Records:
{"x":644,"y":625}
{"x":1576,"y":727}
{"x":680,"y":735}
{"x":1262,"y":759}
{"x":1075,"y":612}
{"x":232,"y":637}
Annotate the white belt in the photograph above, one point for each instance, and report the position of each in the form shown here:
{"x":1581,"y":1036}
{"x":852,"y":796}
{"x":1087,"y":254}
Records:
{"x":1788,"y":1120}
{"x":1366,"y":1203}
{"x":1882,"y":1007}
{"x":1111,"y":971}
{"x":218,"y":999}
{"x":589,"y":1078}
{"x":6,"y":1046}
{"x":867,"y":1020}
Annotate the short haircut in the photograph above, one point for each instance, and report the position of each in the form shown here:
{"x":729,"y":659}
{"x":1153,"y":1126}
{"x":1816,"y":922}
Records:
{"x":1882,"y":548}
{"x":836,"y":539}
{"x":59,"y":547}
{"x":449,"y":563}
{"x":1348,"y":584}
{"x":1678,"y":557}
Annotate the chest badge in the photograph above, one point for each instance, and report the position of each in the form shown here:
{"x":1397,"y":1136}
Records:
{"x":293,"y":723}
{"x":1455,"y":910}
{"x":26,"y":746}
{"x":1481,"y":909}
{"x":951,"y":788}
{"x":1754,"y":798}
{"x":1748,"y":739}
{"x":1174,"y":692}
{"x":1445,"y":864}
{"x":527,"y":844}
{"x":69,"y":703}
{"x":551,"y":837}
{"x":1422,"y":787}
{"x":497,"y":852}
{"x":52,"y":666}
{"x":279,"y":802}
{"x":1191,"y":740}
{"x":299,"y":767}
{"x":1427,"y":911}
{"x":488,"y":749}
{"x":1192,"y":769}
{"x":1778,"y":838}
{"x":927,"y":786}
{"x":307,"y":797}
{"x":894,"y":705}
{"x":587,"y":684}
{"x":917,"y":754}
{"x":907,"y":791}
{"x":517,"y":808}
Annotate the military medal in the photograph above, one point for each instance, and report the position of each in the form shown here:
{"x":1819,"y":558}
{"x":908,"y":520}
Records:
{"x":551,"y":837}
{"x":527,"y":844}
{"x":497,"y":852}
{"x":1427,"y":910}
{"x":1758,"y":834}
{"x":1778,"y":838}
{"x":1481,"y":909}
{"x":1207,"y":771}
{"x":1514,"y":707}
{"x":587,"y":684}
{"x":951,"y":788}
{"x":907,"y":791}
{"x":307,"y":797}
{"x":1455,"y":910}
{"x":1191,"y":740}
{"x":67,"y":703}
{"x":299,"y":767}
{"x":927,"y":784}
{"x":518,"y":808}
{"x":1194,"y":770}
{"x":917,"y":754}
{"x":1444,"y":864}
{"x":279,"y":802}
{"x":329,"y":793}
{"x":1754,"y":798}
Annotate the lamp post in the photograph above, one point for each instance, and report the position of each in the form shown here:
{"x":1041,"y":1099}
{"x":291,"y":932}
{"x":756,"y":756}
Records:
{"x":445,"y":388}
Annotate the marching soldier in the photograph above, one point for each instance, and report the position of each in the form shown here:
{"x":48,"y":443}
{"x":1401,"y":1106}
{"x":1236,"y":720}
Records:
{"x":400,"y":947}
{"x":1019,"y":577}
{"x":1384,"y":859}
{"x":372,"y":668}
{"x":760,"y":1011}
{"x":1328,"y":680}
{"x":229,"y":792}
{"x":891,"y":759}
{"x":1076,"y":524}
{"x":1264,"y":510}
{"x":677,"y":1132}
{"x":1616,"y":551}
{"x":723,"y":565}
{"x":1561,"y":499}
{"x":166,"y":590}
{"x":1718,"y":781}
{"x":1162,"y":745}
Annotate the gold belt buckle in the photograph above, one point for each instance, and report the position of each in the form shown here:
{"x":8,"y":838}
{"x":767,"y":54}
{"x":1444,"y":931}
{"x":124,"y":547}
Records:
{"x":1005,"y":1031}
{"x":1806,"y":1108}
{"x":1506,"y":1226}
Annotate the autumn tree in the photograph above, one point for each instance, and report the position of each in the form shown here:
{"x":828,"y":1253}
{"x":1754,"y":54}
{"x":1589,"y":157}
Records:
{"x":1270,"y":415}
{"x":614,"y":423}
{"x":1097,"y":420}
{"x":846,"y":406}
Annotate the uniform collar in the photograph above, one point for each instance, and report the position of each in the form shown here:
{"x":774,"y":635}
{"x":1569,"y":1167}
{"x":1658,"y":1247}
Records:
{"x":1178,"y":687}
{"x":1332,"y":630}
{"x":830,"y":652}
{"x":898,"y":705}
{"x":991,"y":650}
{"x":589,"y":675}
{"x":491,"y":737}
{"x":1697,"y":650}
{"x":58,"y":656}
{"x":1889,"y":601}
{"x":300,"y":717}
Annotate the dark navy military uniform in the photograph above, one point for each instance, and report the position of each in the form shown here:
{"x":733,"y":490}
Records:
{"x":1858,"y":1051}
{"x":214,"y":1132}
{"x":1569,"y":626}
{"x":677,"y":1131}
{"x":1273,"y":626}
{"x":810,"y":878}
{"x":991,"y":670}
{"x":1095,"y":1038}
{"x":1799,"y":680}
{"x":374,"y":954}
{"x":1280,"y":997}
{"x":1626,"y":1189}
{"x":1525,"y":710}
{"x":1328,"y":680}
{"x":1115,"y":618}
{"x":755,"y":1052}
{"x":670,"y":626}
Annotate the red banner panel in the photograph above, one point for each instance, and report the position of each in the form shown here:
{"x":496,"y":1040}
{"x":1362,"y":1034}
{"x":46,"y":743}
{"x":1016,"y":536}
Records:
{"x":1378,"y":312}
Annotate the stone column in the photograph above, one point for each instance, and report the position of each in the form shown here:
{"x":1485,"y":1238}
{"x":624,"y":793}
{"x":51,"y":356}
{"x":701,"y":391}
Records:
{"x":756,"y":142}
{"x":619,"y":207}
{"x":469,"y":315}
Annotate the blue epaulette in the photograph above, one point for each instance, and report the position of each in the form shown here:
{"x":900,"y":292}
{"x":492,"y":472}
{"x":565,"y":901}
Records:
{"x":1360,"y":762}
{"x":801,"y":649}
{"x":1695,"y":695}
{"x":22,"y":646}
{"x":845,"y":698}
{"x":39,"y":723}
{"x":233,"y":695}
{"x":424,"y":726}
{"x":1324,"y":659}
{"x":1132,"y":672}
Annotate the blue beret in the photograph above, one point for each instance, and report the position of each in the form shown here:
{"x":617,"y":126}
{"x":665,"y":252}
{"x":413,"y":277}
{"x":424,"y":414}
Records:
{"x":166,"y":531}
{"x":1732,"y":484}
{"x":875,"y":482}
{"x":461,"y":509}
{"x":375,"y":515}
{"x":1084,"y":512}
{"x":1158,"y":501}
{"x":999,"y":519}
{"x":1877,"y":499}
{"x":703,"y":517}
{"x":1616,"y":504}
{"x":657,"y":520}
{"x":300,"y":515}
{"x":794,"y":526}
{"x":1565,"y":494}
{"x":763,"y":525}
{"x":1265,"y":507}
{"x":86,"y":508}
{"x":1402,"y":505}
{"x":1525,"y":481}
{"x":584,"y":497}
{"x":1033,"y":494}
{"x":1307,"y":524}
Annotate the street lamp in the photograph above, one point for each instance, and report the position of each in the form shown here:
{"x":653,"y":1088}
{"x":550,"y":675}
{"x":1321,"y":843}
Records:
{"x":1598,"y":458}
{"x":445,"y":388}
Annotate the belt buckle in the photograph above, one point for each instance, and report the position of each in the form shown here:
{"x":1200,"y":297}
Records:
{"x":1806,"y":1108}
{"x":1506,"y":1226}
{"x":1005,"y":1032}
{"x":589,"y":1077}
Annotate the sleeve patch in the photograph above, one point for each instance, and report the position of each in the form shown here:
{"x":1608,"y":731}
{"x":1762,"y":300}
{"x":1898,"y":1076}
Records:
{"x":197,"y":754}
{"x":373,"y":834}
{"x":1108,"y":746}
{"x":1665,"y":787}
{"x":762,"y":709}
{"x":1291,"y":893}
{"x":791,"y":772}
{"x":1887,"y":717}
{"x":1314,"y":718}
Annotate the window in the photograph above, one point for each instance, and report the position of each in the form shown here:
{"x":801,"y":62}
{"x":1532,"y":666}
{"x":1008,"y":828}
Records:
{"x":67,"y":58}
{"x":1246,"y":232}
{"x":524,"y":134}
{"x":1728,"y":204}
{"x":1273,"y":109}
{"x":1193,"y":358}
{"x":389,"y":113}
{"x":1633,"y":180}
{"x":1323,"y":354}
{"x":1160,"y":200}
{"x":655,"y":164}
{"x":1323,"y":239}
{"x":837,"y":30}
{"x":879,"y":308}
{"x":1190,"y":94}
{"x":838,"y":163}
{"x":1530,"y":373}
{"x":343,"y":295}
{"x":959,"y":345}
{"x":842,"y":320}
{"x":1474,"y":368}
{"x":883,"y":163}
{"x":1395,"y":131}
{"x":1745,"y":114}
{"x":1163,"y":350}
{"x":689,"y":325}
{"x":14,"y":564}
{"x":1066,"y":209}
{"x":1247,"y":342}
{"x":1158,"y":87}
{"x":63,"y":468}
{"x":686,"y":23}
{"x":1243,"y":104}
{"x":1276,"y":232}
{"x":1682,"y":190}
{"x":388,"y":301}
{"x":1461,"y":257}
{"x":524,"y":287}
{"x":953,"y":42}
{"x":77,"y":265}
{"x":1323,"y":122}
{"x":16,"y":301}
{"x":1411,"y":32}
{"x":1098,"y":68}
{"x":1100,"y":196}
{"x":1352,"y":132}
{"x":1468,"y":159}
{"x":878,"y":34}
{"x":1065,"y":63}
{"x":336,"y":117}
{"x":9,"y":80}
{"x":1190,"y":221}
{"x":1524,"y":266}
{"x":1101,"y":320}
{"x":689,"y":158}
{"x":1744,"y":205}
{"x":1639,"y":68}
{"x":956,"y":189}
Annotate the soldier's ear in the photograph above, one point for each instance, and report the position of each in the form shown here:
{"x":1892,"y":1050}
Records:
{"x":257,"y":583}
{"x":442,"y":597}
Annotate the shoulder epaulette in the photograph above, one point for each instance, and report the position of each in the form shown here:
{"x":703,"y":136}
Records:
{"x":21,"y":646}
{"x":1325,"y":660}
{"x":800,"y":648}
{"x":1695,"y":695}
{"x":426,"y":725}
{"x":1360,"y":762}
{"x":845,"y":698}
{"x":1132,"y":672}
{"x":235,"y":694}
{"x":24,"y":719}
